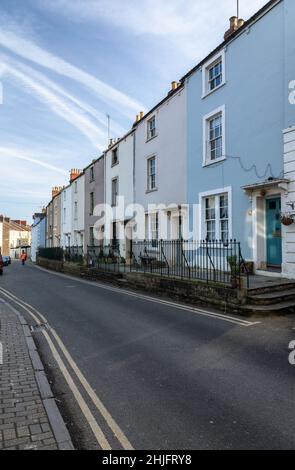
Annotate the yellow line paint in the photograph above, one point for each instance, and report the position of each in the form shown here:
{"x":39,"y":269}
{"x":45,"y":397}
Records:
{"x":117,"y":431}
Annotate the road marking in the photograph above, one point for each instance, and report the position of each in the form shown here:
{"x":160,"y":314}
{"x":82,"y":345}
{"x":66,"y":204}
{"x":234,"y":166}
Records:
{"x":12,"y":297}
{"x":1,"y":354}
{"x":196,"y":310}
{"x":97,"y":431}
{"x":117,"y":431}
{"x":97,"y":402}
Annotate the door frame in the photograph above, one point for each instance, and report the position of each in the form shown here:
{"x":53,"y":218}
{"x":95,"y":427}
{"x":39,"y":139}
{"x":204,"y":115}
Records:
{"x":259,"y":227}
{"x":269,"y":265}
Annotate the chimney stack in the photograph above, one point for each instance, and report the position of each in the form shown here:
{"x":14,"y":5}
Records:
{"x":235,"y":24}
{"x":75,"y":173}
{"x":56,"y":190}
{"x":174,"y":85}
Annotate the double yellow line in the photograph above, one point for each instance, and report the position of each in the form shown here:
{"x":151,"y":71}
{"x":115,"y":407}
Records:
{"x":50,"y":335}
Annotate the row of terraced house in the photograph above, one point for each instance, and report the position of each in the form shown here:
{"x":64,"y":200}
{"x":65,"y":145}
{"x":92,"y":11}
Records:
{"x":214,"y":160}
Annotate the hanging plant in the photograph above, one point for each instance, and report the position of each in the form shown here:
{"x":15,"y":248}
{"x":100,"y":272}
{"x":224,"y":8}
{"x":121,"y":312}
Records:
{"x":287,"y":219}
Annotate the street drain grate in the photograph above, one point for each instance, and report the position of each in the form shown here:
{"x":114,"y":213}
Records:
{"x":39,"y":328}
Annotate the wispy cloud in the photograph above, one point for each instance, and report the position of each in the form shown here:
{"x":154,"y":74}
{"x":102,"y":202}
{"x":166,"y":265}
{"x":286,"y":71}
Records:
{"x":8,"y":153}
{"x":42,"y":88}
{"x":189,"y":26}
{"x":32,"y":52}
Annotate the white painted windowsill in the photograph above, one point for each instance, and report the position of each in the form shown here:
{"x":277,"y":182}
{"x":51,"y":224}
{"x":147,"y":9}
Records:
{"x":215,"y":162}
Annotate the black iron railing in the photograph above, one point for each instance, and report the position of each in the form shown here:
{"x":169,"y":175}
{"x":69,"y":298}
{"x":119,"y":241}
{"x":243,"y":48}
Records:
{"x":210,"y":261}
{"x":106,"y":257}
{"x":74,"y":254}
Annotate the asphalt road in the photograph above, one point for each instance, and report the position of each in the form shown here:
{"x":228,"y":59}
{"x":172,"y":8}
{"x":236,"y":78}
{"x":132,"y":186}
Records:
{"x":169,"y":377}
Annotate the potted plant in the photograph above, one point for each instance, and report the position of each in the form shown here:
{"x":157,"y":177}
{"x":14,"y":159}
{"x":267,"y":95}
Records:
{"x":287,"y":219}
{"x":234,"y":271}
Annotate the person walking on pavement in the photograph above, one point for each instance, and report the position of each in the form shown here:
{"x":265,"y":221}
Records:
{"x":23,"y":257}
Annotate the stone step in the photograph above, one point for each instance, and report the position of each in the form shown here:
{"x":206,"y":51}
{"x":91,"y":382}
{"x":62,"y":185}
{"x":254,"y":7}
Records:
{"x":272,"y":288}
{"x":281,"y":308}
{"x":273,"y":297}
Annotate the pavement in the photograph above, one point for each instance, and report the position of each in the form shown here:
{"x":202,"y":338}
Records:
{"x":130,"y":371}
{"x":29,"y":418}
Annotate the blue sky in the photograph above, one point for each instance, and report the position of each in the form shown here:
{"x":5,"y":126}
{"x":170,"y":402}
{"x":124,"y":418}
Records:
{"x":66,"y":64}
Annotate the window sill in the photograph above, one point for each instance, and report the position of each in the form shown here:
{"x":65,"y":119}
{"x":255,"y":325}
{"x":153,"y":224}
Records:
{"x":151,"y":138}
{"x":151,"y":190}
{"x":215,"y":162}
{"x":208,"y":93}
{"x":114,"y":164}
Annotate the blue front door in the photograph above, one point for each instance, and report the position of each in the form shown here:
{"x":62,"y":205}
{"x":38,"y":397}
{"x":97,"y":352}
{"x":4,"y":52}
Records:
{"x":274,"y":231}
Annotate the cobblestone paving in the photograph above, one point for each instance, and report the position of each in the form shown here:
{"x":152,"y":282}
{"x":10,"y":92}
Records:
{"x":23,"y":419}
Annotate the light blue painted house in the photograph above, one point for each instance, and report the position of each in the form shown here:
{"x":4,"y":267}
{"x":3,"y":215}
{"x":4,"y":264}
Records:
{"x":237,"y":109}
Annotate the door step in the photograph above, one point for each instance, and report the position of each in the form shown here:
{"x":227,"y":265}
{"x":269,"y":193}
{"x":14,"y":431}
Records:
{"x":273,"y":297}
{"x":281,"y":308}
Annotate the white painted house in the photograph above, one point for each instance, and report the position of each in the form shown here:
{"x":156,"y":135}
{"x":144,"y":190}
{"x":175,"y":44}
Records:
{"x":161,"y":164}
{"x":119,"y":183}
{"x":66,"y":217}
{"x":288,"y":205}
{"x":78,"y":208}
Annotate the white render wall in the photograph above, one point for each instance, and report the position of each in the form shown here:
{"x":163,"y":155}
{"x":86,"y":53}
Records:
{"x":123,"y":170}
{"x":288,"y":233}
{"x":78,"y":224}
{"x":66,"y":216}
{"x":169,"y":147}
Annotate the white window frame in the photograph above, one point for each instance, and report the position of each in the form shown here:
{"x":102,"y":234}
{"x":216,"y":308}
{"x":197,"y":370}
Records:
{"x":154,"y":226}
{"x":149,"y":136}
{"x":113,"y":201}
{"x":91,"y":236}
{"x":206,"y":121}
{"x":149,"y":189}
{"x":202,"y":212}
{"x":92,"y":203}
{"x":76,"y":210}
{"x":115,"y":151}
{"x":205,"y":73}
{"x":91,"y":176}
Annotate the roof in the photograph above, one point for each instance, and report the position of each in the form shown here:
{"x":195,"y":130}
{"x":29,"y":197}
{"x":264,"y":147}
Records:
{"x":120,"y":140}
{"x":93,"y":163}
{"x":268,"y":6}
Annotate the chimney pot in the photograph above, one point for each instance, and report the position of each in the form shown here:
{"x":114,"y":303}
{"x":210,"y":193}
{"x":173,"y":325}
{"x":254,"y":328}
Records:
{"x":174,"y":85}
{"x":141,"y":115}
{"x":235,"y":24}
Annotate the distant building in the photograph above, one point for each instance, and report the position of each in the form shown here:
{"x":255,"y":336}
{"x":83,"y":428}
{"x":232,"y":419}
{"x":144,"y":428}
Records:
{"x":20,"y":237}
{"x":38,"y":233}
{"x":53,"y":219}
{"x":94,"y":195}
{"x":4,"y":235}
{"x":78,"y":207}
{"x":66,"y":216}
{"x":119,"y":181}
